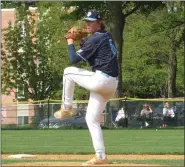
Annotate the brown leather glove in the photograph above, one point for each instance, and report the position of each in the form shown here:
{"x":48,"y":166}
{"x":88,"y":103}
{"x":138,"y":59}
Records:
{"x":76,"y":33}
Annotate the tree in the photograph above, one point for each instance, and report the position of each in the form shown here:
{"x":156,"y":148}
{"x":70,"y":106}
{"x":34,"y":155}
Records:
{"x":146,"y":55}
{"x":32,"y":52}
{"x":4,"y":73}
{"x":38,"y":51}
{"x":176,"y":34}
{"x":147,"y":50}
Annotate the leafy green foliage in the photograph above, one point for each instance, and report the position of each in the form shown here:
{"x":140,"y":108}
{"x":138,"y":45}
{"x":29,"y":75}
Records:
{"x":146,"y":55}
{"x":33,"y":51}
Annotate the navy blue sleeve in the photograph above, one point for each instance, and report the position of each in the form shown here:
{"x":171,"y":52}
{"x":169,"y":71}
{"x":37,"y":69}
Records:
{"x":74,"y":58}
{"x":87,"y":50}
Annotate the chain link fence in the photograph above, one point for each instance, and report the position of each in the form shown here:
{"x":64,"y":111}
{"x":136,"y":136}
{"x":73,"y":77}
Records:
{"x":124,"y":113}
{"x":132,"y":118}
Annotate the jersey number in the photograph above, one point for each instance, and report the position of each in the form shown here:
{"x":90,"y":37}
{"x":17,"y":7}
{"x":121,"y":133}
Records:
{"x":113,"y":48}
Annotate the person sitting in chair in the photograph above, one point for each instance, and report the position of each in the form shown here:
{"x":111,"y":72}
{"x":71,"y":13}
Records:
{"x":145,"y":114}
{"x":168,"y":112}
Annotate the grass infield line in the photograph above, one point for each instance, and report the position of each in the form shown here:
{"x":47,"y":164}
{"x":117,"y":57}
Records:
{"x":156,"y":161}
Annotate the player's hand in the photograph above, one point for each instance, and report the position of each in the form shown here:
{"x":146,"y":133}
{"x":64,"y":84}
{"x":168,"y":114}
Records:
{"x":70,"y":41}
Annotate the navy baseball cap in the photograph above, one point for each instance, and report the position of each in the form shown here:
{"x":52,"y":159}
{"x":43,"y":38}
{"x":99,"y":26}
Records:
{"x":92,"y":16}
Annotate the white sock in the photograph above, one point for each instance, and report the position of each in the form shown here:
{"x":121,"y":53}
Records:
{"x":100,"y":155}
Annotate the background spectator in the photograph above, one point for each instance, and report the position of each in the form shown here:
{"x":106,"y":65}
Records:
{"x":168,"y":112}
{"x":146,"y":115}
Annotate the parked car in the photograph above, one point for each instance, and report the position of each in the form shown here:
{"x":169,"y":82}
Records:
{"x":77,"y":121}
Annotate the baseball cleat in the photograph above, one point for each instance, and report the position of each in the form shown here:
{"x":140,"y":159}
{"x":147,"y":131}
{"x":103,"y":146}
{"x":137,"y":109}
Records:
{"x":96,"y":161}
{"x":61,"y":114}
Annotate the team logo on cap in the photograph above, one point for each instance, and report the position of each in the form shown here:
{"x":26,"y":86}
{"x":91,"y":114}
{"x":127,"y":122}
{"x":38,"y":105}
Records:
{"x":88,"y":14}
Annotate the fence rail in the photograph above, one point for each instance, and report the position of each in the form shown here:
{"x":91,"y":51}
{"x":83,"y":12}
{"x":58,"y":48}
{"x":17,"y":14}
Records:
{"x":39,"y":114}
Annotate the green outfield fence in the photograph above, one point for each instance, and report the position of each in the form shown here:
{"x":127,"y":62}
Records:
{"x":39,"y":114}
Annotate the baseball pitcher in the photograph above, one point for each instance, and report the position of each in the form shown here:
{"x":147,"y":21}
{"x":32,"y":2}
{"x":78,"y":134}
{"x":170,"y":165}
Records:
{"x":99,"y":52}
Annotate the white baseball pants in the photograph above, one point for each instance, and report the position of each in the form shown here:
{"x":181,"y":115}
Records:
{"x":101,"y":86}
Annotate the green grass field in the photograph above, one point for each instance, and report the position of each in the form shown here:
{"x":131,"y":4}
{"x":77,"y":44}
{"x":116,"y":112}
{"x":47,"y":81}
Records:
{"x":79,"y":141}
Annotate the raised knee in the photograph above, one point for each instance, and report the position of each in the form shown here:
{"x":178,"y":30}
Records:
{"x":67,"y":70}
{"x":70,"y":70}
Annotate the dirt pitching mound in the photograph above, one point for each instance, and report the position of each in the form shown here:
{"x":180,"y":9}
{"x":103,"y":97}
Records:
{"x":72,"y":158}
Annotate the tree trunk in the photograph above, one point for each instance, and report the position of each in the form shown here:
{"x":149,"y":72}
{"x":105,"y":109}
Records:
{"x":117,"y":22}
{"x":172,"y":69}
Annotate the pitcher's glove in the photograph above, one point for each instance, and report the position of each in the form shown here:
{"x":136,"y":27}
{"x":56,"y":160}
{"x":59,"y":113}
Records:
{"x":76,"y":33}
